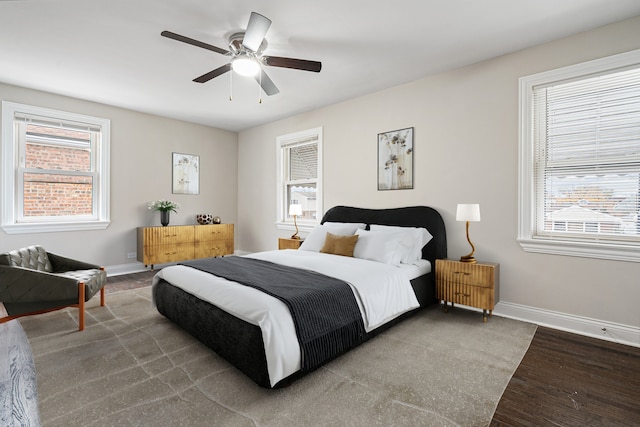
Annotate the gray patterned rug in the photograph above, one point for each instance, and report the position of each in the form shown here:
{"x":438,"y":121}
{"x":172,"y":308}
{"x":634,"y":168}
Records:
{"x":132,"y":367}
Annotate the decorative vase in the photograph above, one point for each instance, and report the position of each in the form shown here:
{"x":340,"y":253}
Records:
{"x":164,"y":218}
{"x":204,"y":219}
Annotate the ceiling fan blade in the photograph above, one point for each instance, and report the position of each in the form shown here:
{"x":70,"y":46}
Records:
{"x":266,"y":83}
{"x":212,"y":74}
{"x":256,"y":30}
{"x":297,"y":64}
{"x":193,"y":42}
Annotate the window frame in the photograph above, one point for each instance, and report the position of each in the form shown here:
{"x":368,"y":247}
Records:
{"x":284,"y":222}
{"x":527,"y":181}
{"x":12,"y":186}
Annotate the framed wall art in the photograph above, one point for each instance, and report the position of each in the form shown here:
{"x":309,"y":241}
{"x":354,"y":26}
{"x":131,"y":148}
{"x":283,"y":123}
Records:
{"x":186,"y":174}
{"x":395,"y":160}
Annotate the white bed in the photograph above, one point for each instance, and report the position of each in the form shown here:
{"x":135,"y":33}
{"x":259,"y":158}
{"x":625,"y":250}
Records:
{"x":255,"y":331}
{"x":383,"y":292}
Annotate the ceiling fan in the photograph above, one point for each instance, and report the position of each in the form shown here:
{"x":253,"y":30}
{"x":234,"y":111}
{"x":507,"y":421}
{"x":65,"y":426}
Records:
{"x":246,"y":51}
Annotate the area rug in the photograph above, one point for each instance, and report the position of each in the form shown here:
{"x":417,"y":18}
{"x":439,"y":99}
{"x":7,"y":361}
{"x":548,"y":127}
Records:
{"x":133,"y":367}
{"x":18,"y":391}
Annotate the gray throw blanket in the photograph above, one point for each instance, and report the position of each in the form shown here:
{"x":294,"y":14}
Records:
{"x":324,"y":310}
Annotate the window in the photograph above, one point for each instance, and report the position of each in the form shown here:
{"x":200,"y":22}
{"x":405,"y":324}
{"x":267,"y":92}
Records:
{"x":55,"y":170}
{"x":300,"y":177}
{"x":580,"y":160}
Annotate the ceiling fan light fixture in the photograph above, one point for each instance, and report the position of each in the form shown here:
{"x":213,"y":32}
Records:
{"x":245,"y":49}
{"x":245,"y":66}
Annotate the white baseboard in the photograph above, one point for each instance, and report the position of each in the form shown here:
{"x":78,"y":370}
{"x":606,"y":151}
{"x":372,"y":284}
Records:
{"x":601,"y":329}
{"x":132,"y":267}
{"x":137,"y":267}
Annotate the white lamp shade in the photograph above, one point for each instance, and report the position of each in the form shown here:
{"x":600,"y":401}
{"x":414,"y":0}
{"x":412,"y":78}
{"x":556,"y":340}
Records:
{"x":295,"y":210}
{"x":468,"y":212}
{"x":245,"y":66}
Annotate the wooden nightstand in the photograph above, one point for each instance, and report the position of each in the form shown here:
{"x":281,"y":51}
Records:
{"x":471,"y":284}
{"x":289,"y":243}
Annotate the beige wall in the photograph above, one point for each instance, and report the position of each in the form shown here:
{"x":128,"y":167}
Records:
{"x":466,"y":151}
{"x":141,"y":147}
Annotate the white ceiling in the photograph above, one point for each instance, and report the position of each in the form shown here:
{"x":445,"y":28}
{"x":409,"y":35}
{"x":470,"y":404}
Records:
{"x":111,"y":51}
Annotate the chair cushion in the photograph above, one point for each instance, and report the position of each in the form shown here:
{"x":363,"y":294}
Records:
{"x":93,"y":279}
{"x":33,"y":257}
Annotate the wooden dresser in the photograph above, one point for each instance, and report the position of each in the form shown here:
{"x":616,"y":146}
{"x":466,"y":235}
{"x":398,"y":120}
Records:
{"x":471,"y":284}
{"x":157,"y":245}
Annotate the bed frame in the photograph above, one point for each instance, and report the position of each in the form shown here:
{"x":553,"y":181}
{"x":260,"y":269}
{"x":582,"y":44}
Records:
{"x":240,"y":342}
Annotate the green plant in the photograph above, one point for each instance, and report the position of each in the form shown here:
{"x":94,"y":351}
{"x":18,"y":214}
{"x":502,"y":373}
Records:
{"x":163,"y":205}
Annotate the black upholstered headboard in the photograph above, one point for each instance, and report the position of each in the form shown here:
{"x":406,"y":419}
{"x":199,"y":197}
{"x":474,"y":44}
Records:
{"x":411,"y":216}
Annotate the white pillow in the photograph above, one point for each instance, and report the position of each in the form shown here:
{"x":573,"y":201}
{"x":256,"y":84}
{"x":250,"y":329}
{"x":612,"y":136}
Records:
{"x":315,"y":240}
{"x":415,"y":239}
{"x":382,"y":246}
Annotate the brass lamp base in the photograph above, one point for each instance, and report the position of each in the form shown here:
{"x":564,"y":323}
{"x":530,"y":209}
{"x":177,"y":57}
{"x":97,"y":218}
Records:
{"x":469,"y":257}
{"x":295,"y":235}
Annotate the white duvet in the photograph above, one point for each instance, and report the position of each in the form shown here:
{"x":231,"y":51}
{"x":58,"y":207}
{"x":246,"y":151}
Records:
{"x":383,"y":292}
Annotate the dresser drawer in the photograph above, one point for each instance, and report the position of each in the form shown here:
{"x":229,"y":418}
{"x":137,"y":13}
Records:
{"x":213,"y":248}
{"x":465,"y":273}
{"x":168,"y":253}
{"x":206,"y":233}
{"x":171,"y":235}
{"x":473,"y":296}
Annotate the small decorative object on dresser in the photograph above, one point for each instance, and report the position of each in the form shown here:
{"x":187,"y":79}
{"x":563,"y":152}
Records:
{"x":284,"y":243}
{"x":217,"y":220}
{"x":204,"y":219}
{"x":471,"y":284}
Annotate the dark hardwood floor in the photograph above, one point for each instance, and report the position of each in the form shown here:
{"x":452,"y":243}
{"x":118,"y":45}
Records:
{"x":566,"y":379}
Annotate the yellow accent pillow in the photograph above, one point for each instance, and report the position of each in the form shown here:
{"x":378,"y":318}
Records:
{"x":339,"y":245}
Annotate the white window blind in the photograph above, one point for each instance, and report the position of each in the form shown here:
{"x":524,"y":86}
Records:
{"x":300,"y":176}
{"x":303,"y":161}
{"x":587,"y":157}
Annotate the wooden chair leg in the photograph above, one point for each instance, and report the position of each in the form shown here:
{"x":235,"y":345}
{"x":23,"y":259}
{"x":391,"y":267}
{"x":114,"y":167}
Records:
{"x":81,"y":306}
{"x":102,"y":292}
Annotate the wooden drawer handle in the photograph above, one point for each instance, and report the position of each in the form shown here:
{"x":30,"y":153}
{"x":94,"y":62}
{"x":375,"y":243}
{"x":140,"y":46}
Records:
{"x":462,"y":294}
{"x":462,"y":272}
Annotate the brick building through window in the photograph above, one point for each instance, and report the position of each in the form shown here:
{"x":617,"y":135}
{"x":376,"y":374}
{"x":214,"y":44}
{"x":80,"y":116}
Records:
{"x":55,"y":188}
{"x":55,"y":170}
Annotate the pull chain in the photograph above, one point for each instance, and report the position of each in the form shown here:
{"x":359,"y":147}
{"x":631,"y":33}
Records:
{"x":231,"y":86}
{"x":260,"y":89}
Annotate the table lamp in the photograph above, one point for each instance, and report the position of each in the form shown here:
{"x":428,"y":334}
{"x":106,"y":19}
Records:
{"x":294,"y":211}
{"x":468,"y":212}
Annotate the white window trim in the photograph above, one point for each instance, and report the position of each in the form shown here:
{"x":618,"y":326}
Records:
{"x":284,"y":222}
{"x":10,"y":162}
{"x":526,"y":191}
